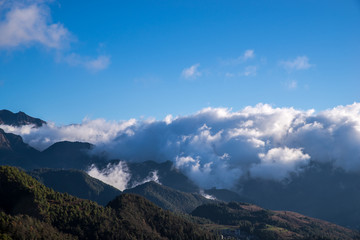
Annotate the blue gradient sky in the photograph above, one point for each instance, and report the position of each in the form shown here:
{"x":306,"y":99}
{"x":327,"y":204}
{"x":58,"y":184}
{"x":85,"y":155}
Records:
{"x":132,"y":59}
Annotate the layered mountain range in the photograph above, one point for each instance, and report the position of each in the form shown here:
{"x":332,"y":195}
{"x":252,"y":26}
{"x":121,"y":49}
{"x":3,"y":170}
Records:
{"x":319,"y":191}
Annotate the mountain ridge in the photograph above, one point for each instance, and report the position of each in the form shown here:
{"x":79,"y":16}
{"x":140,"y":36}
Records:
{"x":168,"y":198}
{"x":248,"y":220}
{"x":77,"y":183}
{"x":18,"y":119}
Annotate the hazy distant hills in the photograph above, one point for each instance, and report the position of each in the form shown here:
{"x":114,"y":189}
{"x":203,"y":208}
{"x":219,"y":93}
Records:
{"x":320,"y":191}
{"x":17,"y":119}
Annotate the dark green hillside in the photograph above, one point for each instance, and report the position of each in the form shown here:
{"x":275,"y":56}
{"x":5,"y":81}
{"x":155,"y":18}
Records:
{"x":133,"y":217}
{"x":169,"y":198}
{"x":25,"y":227}
{"x":76,"y":183}
{"x":21,"y":194}
{"x":157,"y":223}
{"x":254,"y":221}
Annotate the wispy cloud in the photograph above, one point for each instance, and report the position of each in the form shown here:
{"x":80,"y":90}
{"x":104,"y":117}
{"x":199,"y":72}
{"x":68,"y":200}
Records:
{"x":299,"y":63}
{"x":247,"y":55}
{"x":31,"y":24}
{"x":191,"y":72}
{"x":229,"y":75}
{"x":291,"y":84}
{"x":99,"y":63}
{"x":247,"y":72}
{"x":92,"y":64}
{"x":250,"y":71}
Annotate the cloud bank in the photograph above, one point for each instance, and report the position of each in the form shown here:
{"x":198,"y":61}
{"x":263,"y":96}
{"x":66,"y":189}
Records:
{"x":217,"y":146}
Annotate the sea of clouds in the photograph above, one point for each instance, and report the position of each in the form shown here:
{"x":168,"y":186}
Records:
{"x":217,"y":146}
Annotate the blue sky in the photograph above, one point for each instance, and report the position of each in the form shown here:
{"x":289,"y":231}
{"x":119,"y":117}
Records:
{"x":66,"y":60}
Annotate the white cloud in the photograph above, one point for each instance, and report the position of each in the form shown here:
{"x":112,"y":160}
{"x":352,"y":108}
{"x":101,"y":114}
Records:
{"x":248,"y":54}
{"x":182,"y":161}
{"x":153,"y":177}
{"x":31,"y":24}
{"x":207,"y":196}
{"x":278,"y":162}
{"x":117,"y":176}
{"x":299,"y":63}
{"x":283,"y":155}
{"x":191,"y":72}
{"x":217,"y":146}
{"x":97,"y":64}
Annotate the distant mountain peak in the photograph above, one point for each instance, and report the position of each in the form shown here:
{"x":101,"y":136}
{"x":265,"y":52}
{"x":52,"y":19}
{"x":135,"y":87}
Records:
{"x":70,"y":146}
{"x":19,"y":119}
